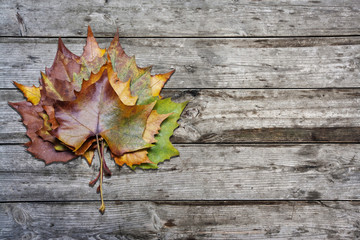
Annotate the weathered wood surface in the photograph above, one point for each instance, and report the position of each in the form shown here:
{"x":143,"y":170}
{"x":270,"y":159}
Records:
{"x":255,"y":72}
{"x":208,"y":63}
{"x":181,"y":220}
{"x":173,"y":18}
{"x":202,"y":172}
{"x":243,"y":115}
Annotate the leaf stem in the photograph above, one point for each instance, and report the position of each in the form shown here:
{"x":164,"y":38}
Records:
{"x":106,"y":169}
{"x":92,"y":183}
{"x":101,"y":156}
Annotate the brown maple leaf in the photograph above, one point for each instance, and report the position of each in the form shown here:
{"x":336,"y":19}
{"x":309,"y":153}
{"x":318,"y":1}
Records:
{"x":99,"y":111}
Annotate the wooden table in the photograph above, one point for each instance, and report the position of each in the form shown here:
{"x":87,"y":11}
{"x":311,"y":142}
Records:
{"x":269,"y":143}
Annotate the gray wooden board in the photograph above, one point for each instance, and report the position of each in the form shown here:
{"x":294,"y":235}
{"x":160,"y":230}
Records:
{"x":232,"y":61}
{"x":243,"y":115}
{"x":177,"y":18}
{"x":202,"y":172}
{"x":181,"y":220}
{"x":208,"y":63}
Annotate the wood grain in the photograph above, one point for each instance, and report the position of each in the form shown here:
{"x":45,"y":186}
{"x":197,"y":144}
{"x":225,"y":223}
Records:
{"x":181,"y":220}
{"x":269,"y":143}
{"x":202,"y":172}
{"x":173,"y":18}
{"x":208,"y":63}
{"x":243,"y":115}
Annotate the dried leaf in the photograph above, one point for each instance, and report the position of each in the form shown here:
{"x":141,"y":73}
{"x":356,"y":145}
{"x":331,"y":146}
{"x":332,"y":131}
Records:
{"x":85,"y":147}
{"x":50,"y":111}
{"x":153,"y":125}
{"x":152,"y":128}
{"x":99,"y":111}
{"x":127,"y":70}
{"x":58,"y":80}
{"x":44,"y":132}
{"x":163,"y":149}
{"x":158,"y":81}
{"x":99,"y":100}
{"x":89,"y":155}
{"x":32,"y":94}
{"x":91,"y":60}
{"x":40,"y":148}
{"x":133,"y":158}
{"x":122,"y":89}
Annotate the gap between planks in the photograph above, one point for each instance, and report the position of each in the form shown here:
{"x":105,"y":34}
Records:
{"x":188,"y":37}
{"x":196,"y":202}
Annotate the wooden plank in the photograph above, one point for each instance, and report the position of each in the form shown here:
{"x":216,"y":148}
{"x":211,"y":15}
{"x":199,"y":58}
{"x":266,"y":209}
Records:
{"x":202,"y":172}
{"x":208,"y":63}
{"x":172,"y":18}
{"x":181,"y":220}
{"x":235,"y":116}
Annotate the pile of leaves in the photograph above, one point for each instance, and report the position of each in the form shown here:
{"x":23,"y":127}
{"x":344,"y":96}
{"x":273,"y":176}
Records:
{"x":99,"y":100}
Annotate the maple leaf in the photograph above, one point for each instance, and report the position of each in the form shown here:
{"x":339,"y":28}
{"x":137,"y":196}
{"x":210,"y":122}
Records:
{"x":163,"y":149}
{"x":139,"y":157}
{"x":147,"y":88}
{"x":99,"y":100}
{"x":127,"y":70}
{"x":68,"y":70}
{"x":32,"y":94}
{"x":58,"y":79}
{"x":158,"y":81}
{"x":39,"y":147}
{"x":99,"y":111}
{"x":91,"y":60}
